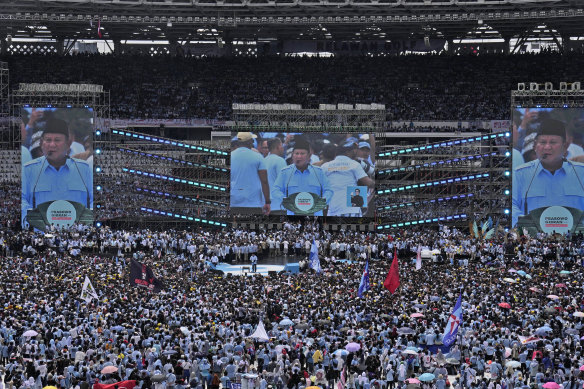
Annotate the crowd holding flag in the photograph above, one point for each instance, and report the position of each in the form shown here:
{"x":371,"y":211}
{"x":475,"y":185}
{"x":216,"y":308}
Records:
{"x":364,"y":286}
{"x":141,"y":275}
{"x":313,"y":260}
{"x":453,"y":324}
{"x":88,"y":291}
{"x":391,"y":282}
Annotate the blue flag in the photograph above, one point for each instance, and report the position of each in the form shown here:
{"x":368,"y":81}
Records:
{"x":313,"y":260}
{"x":364,"y":285}
{"x":454,"y":322}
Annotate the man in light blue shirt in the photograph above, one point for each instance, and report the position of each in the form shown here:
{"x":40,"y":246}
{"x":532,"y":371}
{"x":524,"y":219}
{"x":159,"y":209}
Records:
{"x":301,"y":176}
{"x":249,"y":178}
{"x":56,"y":176}
{"x":550,"y":179}
{"x":274,"y":163}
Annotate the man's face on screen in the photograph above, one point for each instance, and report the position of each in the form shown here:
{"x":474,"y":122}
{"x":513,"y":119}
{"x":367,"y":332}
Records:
{"x":55,"y":147}
{"x":550,"y":150}
{"x":263,"y":148}
{"x":301,"y":158}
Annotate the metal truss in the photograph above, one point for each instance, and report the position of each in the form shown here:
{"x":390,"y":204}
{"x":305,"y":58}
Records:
{"x":442,"y":182}
{"x":8,"y":138}
{"x":309,"y":120}
{"x":165,"y":178}
{"x":571,"y":96}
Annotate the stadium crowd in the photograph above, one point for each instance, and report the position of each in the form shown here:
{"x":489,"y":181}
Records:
{"x":412,"y":87}
{"x":521,"y":322}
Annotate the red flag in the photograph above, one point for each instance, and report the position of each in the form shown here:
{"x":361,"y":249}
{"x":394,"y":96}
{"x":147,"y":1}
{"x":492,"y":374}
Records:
{"x":391,"y":282}
{"x":122,"y":384}
{"x":99,"y":28}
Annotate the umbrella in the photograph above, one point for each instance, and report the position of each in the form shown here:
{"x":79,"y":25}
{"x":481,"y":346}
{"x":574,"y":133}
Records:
{"x":552,"y":296}
{"x":435,"y":298}
{"x":534,"y":289}
{"x":303,"y":326}
{"x":353,"y":347}
{"x":417,"y":314}
{"x":551,"y":385}
{"x":405,"y":331}
{"x":572,"y":331}
{"x":507,"y":352}
{"x":561,"y":286}
{"x":505,"y":305}
{"x":426,"y":377}
{"x":582,"y":368}
{"x":313,"y":387}
{"x":341,"y":351}
{"x":50,"y":387}
{"x":452,"y":361}
{"x":109,"y":370}
{"x":385,"y":316}
{"x":579,"y":314}
{"x":565,"y":272}
{"x":158,"y":378}
{"x":30,"y":333}
{"x":409,"y":352}
{"x":509,"y":280}
{"x":413,"y":381}
{"x":118,"y":328}
{"x":522,"y":273}
{"x":286,"y":322}
{"x":185,"y":331}
{"x":512,"y":270}
{"x":169,"y":352}
{"x":323,"y":322}
{"x":542,"y":331}
{"x":513,"y":364}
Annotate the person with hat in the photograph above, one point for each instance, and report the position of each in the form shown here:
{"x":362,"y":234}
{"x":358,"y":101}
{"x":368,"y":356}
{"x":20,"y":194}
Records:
{"x":249,"y":176}
{"x":301,"y":176}
{"x":344,"y":172}
{"x":550,"y":179}
{"x":54,"y":175}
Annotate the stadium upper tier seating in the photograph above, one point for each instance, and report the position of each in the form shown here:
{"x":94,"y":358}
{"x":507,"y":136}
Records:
{"x":412,"y":87}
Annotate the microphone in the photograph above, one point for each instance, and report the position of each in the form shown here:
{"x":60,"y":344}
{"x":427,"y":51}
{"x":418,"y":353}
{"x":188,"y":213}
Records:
{"x":36,"y":183}
{"x":529,"y":187}
{"x":78,"y":171}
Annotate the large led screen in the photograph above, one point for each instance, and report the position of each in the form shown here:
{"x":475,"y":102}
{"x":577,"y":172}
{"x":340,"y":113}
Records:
{"x":548,"y":169}
{"x":277,"y":173}
{"x":57,"y":167}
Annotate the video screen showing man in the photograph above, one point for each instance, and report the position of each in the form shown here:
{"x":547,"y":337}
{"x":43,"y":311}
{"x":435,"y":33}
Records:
{"x":54,"y":175}
{"x":346,"y":171}
{"x":307,"y":153}
{"x":249,"y":176}
{"x":552,"y":178}
{"x":302,"y":177}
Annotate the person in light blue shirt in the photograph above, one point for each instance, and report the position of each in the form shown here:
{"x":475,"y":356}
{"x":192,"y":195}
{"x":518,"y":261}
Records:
{"x":56,"y":176}
{"x":301,"y":176}
{"x":550,"y":179}
{"x":249,"y":178}
{"x":274,"y":164}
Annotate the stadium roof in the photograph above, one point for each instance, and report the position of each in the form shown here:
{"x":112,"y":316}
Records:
{"x":184,"y":20}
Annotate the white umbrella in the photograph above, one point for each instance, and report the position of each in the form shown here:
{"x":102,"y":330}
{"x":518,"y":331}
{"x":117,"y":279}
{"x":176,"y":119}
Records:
{"x":30,"y":333}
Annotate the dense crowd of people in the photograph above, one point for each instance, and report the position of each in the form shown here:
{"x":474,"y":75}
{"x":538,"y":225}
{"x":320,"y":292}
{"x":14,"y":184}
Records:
{"x":467,"y":88}
{"x":521,"y":322}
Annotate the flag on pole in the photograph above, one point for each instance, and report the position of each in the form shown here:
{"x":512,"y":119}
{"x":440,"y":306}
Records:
{"x":99,"y":28}
{"x":391,"y":282}
{"x":453,"y":323}
{"x":364,"y":286}
{"x":88,"y":292}
{"x":313,"y":260}
{"x":419,"y":258}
